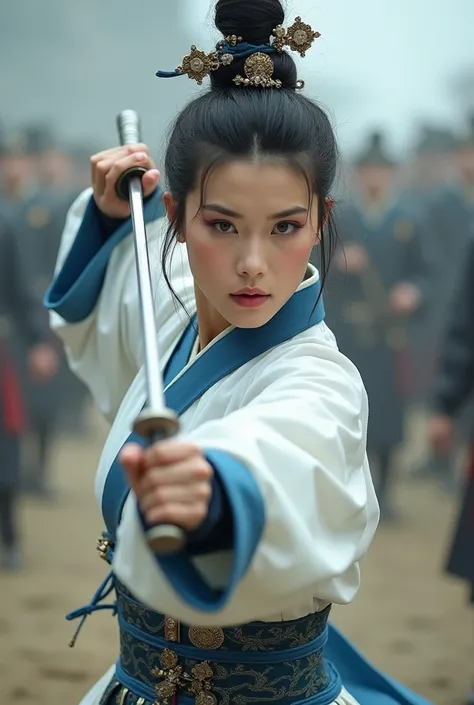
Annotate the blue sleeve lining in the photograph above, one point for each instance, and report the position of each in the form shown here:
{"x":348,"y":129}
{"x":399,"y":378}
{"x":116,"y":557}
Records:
{"x":243,"y":497}
{"x":74,"y":292}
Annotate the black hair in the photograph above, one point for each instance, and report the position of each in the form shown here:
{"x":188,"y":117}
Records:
{"x":229,"y":122}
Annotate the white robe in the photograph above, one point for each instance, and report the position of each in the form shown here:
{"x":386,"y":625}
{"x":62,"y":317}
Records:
{"x":295,"y":416}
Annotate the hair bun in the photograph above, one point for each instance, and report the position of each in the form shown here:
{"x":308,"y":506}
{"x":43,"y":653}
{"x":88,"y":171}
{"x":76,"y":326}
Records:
{"x":253,"y":20}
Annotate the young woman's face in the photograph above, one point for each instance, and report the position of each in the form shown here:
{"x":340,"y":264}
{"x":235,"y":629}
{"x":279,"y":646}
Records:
{"x":250,"y":242}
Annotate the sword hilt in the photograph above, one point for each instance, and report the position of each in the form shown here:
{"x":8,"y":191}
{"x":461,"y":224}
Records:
{"x":128,"y":125}
{"x":163,"y":539}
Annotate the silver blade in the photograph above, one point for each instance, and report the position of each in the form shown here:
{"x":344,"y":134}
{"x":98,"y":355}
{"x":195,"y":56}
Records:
{"x":150,"y":338}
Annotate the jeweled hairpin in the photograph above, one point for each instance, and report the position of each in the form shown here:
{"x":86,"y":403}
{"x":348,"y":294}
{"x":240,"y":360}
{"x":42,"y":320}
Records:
{"x":299,"y":37}
{"x":197,"y":65}
{"x":258,"y":67}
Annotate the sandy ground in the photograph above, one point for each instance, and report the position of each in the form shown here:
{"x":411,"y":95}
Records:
{"x":408,"y":618}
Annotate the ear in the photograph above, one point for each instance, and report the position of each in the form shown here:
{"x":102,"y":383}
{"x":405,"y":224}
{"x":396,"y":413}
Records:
{"x":329,"y":203}
{"x":171,"y":206}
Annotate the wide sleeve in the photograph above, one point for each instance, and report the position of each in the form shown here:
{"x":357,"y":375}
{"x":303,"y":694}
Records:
{"x":292,"y":462}
{"x":94,"y":304}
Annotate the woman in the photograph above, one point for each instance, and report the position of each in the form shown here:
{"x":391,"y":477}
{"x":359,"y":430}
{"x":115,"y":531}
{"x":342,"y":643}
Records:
{"x":269,"y":477}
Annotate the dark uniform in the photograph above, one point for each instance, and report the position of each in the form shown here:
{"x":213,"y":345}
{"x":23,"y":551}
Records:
{"x":454,"y":385}
{"x":40,"y":218}
{"x":361,"y":316}
{"x":431,"y":167}
{"x":450,"y":226}
{"x":426,"y":195}
{"x":18,"y":310}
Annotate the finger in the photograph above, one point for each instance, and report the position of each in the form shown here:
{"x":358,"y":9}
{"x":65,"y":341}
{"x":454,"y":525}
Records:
{"x":184,"y":516}
{"x":141,"y":159}
{"x":176,"y":494}
{"x":115,"y":153}
{"x":184,"y":472}
{"x":150,"y":181}
{"x":170,"y":451}
{"x":132,"y":458}
{"x":101,"y":170}
{"x":119,"y":151}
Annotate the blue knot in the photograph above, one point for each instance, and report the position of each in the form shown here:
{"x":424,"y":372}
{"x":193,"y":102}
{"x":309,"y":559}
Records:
{"x":242,"y":50}
{"x":104,"y":590}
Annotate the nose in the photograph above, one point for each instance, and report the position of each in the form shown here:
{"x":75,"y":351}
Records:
{"x":252,"y":259}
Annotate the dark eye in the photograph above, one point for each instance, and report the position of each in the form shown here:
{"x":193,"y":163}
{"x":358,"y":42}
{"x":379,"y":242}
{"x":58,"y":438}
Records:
{"x":285,"y":228}
{"x":223,"y":226}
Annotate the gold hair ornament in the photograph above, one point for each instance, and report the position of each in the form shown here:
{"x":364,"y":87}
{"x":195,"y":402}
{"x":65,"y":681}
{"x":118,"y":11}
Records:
{"x":259,"y":69}
{"x":299,"y":37}
{"x":259,"y":66}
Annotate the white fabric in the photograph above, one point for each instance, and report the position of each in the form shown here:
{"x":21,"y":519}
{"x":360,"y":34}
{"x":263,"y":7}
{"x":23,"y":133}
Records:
{"x":296,"y":416}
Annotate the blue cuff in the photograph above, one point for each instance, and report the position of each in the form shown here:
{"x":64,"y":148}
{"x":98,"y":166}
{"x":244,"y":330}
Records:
{"x":216,"y":532}
{"x":74,"y":292}
{"x":248,"y":520}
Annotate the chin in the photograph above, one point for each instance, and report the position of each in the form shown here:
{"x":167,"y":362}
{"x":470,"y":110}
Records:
{"x":252,"y":319}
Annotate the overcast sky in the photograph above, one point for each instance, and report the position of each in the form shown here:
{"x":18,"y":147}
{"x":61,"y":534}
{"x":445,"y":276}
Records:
{"x":378,"y":63}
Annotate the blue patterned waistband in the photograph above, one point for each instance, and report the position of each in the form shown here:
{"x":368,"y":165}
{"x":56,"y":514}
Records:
{"x":277,"y":662}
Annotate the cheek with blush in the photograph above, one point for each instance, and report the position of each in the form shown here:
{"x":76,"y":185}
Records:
{"x":205,"y":255}
{"x":295,"y":258}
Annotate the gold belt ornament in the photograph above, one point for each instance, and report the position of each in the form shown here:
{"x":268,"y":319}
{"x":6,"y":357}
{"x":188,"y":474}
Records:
{"x":173,"y":677}
{"x":103,"y":546}
{"x":198,"y":683}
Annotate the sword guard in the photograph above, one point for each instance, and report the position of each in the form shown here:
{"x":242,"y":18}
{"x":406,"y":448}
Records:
{"x":156,"y":426}
{"x":164,"y":539}
{"x":121,"y":186}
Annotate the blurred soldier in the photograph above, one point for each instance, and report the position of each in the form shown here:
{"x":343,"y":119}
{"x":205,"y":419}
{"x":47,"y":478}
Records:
{"x":41,"y":221}
{"x":454,"y":385}
{"x":450,"y":215}
{"x":433,"y":164}
{"x":450,"y":227}
{"x":81,"y":168}
{"x":378,"y":282}
{"x":20,"y":310}
{"x":15,"y":175}
{"x":432,"y":171}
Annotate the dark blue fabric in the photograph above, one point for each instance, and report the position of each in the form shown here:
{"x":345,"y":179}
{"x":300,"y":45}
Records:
{"x":280,"y":662}
{"x":74,"y":292}
{"x":240,"y":51}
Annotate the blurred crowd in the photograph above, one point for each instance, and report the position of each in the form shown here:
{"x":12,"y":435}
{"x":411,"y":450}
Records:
{"x":39,"y":396}
{"x":403,"y":231}
{"x":403,"y":239}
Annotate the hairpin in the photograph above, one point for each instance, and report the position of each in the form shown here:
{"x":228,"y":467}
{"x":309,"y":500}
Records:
{"x":258,"y":67}
{"x":299,"y":37}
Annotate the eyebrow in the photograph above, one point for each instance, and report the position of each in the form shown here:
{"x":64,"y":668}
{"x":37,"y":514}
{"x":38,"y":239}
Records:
{"x":295,"y":210}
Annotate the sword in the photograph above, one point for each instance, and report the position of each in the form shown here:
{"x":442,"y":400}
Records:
{"x":155,"y":422}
